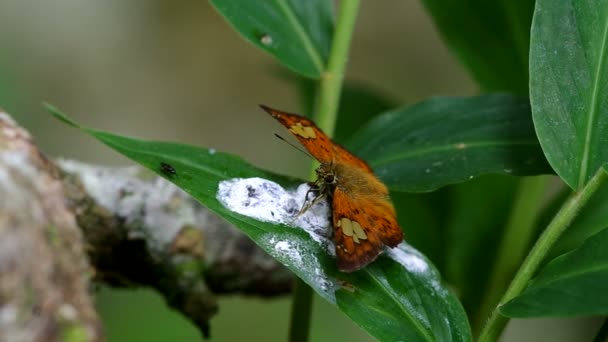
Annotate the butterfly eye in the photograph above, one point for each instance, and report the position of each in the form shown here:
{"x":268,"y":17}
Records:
{"x":329,"y":178}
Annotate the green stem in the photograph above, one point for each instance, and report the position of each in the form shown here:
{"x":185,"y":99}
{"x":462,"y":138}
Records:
{"x":300,"y":312}
{"x":325,"y":115}
{"x":328,"y":96}
{"x":518,"y":236}
{"x":554,"y":230}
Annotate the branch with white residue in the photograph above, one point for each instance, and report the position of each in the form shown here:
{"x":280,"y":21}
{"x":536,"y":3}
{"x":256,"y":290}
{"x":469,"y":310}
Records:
{"x":137,"y":230}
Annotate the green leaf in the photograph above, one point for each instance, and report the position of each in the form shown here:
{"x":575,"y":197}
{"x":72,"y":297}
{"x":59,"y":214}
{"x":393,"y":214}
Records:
{"x":491,"y":38}
{"x":402,"y":289}
{"x":450,"y":140}
{"x":568,"y":83}
{"x":573,"y":284}
{"x":405,"y":306}
{"x":297,"y":33}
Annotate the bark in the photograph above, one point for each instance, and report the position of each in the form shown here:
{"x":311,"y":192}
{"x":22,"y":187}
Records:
{"x":44,"y":273}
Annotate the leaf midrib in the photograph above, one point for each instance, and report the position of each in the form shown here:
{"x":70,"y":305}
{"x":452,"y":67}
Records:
{"x":101,"y":136}
{"x":450,"y":147}
{"x":309,"y":47}
{"x":574,"y":274}
{"x":407,"y":313}
{"x":593,"y":110}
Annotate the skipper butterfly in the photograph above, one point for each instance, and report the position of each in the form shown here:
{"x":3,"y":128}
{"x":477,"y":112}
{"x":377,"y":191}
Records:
{"x":363,"y":216}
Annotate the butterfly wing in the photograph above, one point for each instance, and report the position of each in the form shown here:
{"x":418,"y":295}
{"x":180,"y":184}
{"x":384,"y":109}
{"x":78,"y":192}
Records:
{"x":362,"y":227}
{"x":314,"y":140}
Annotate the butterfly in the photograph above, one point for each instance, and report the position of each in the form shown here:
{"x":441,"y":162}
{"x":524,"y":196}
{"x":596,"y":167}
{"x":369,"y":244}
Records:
{"x":363,"y":217}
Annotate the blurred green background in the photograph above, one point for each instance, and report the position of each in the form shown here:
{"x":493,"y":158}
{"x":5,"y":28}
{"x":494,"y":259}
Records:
{"x":175,"y":71}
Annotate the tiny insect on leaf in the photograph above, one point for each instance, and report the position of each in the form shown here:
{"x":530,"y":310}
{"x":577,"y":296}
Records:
{"x":167,"y":169}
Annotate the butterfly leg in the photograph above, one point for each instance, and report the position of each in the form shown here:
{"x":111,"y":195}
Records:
{"x":309,"y":204}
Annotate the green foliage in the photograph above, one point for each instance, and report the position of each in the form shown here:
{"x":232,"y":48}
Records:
{"x":573,"y":284}
{"x":491,"y":38}
{"x":473,"y":231}
{"x":420,"y":303}
{"x":568,"y":85}
{"x":297,"y":33}
{"x":591,"y":220}
{"x":390,"y":303}
{"x":438,"y":146}
{"x":450,"y":140}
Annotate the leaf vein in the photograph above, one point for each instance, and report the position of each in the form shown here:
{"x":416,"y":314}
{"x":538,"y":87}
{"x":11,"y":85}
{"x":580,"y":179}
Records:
{"x":458,"y":146}
{"x":396,"y":300}
{"x":309,"y":46}
{"x":593,"y":110}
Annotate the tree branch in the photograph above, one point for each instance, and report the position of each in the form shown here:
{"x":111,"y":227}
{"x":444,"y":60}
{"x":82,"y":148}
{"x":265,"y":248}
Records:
{"x":141,"y":230}
{"x":44,"y":275}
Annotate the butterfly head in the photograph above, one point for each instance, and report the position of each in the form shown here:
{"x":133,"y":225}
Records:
{"x":326,"y":174}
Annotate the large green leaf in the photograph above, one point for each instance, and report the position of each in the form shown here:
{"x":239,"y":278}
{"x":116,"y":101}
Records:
{"x":450,"y":140}
{"x":398,"y":297}
{"x":568,"y":85}
{"x":297,"y":33}
{"x":575,"y":283}
{"x":405,"y":306}
{"x":491,"y":38}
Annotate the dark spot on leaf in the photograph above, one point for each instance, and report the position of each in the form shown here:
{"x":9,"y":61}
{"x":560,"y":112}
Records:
{"x":167,"y":169}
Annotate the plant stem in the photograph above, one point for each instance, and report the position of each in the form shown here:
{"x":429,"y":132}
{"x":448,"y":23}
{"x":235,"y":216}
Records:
{"x":518,"y":236}
{"x":325,"y":115}
{"x":328,"y":96}
{"x":300,"y":312}
{"x":556,"y":227}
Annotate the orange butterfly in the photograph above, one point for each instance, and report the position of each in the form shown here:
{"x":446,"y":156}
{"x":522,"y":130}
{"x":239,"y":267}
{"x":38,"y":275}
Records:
{"x":364,"y":219}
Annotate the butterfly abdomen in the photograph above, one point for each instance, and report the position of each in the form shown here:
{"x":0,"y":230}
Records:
{"x":358,"y":182}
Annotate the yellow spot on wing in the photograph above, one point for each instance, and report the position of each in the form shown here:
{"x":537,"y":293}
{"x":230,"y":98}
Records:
{"x":347,"y":226}
{"x":353,"y":229}
{"x":359,"y":232}
{"x":303,"y":131}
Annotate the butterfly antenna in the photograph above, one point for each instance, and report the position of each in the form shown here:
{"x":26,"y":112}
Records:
{"x":294,"y":146}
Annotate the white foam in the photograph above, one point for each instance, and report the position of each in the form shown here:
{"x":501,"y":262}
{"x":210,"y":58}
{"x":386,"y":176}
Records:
{"x":267,"y":201}
{"x":408,"y":257}
{"x":296,"y":252}
{"x":287,"y":247}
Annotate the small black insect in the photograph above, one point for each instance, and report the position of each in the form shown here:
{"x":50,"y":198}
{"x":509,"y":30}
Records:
{"x":167,"y":169}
